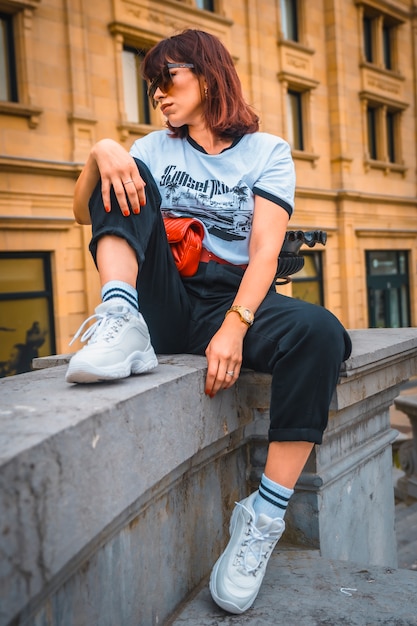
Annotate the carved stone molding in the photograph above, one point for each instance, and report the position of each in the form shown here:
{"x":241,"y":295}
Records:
{"x":383,"y":86}
{"x":407,"y":452}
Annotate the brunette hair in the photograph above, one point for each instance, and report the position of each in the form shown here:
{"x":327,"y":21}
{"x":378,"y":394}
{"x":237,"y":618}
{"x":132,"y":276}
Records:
{"x":226,"y":112}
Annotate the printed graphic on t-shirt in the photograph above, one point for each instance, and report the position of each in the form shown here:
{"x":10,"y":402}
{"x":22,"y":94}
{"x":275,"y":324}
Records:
{"x":224,"y":210}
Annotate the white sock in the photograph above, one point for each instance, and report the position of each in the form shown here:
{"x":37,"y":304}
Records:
{"x":121,"y":291}
{"x":272,"y":499}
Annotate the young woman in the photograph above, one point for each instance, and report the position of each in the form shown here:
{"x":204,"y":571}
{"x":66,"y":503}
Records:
{"x":211,"y":163}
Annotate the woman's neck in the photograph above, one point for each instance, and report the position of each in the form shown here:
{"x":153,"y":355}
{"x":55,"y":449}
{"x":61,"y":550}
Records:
{"x":211,"y":143}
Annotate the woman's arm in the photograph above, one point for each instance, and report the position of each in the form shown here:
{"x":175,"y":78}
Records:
{"x":224,"y":352}
{"x":267,"y":236}
{"x":111,"y":163}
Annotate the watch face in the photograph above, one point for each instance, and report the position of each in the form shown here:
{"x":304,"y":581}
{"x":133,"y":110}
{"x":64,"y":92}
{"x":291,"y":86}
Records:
{"x":247,"y":315}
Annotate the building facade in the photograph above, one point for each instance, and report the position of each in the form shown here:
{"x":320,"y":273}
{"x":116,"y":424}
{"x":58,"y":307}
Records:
{"x":336,"y":78}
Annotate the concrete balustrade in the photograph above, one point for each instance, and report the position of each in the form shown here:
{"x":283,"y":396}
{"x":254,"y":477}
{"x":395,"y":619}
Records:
{"x":115,"y":498}
{"x":407,"y":485}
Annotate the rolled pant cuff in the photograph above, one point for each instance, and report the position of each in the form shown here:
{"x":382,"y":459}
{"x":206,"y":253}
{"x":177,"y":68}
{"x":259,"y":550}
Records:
{"x":295,"y":434}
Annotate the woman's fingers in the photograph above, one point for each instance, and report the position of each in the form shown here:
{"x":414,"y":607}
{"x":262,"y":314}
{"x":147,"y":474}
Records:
{"x":134,"y":189}
{"x":224,"y":359}
{"x":118,"y":170}
{"x":220,"y":377}
{"x":129,"y":192}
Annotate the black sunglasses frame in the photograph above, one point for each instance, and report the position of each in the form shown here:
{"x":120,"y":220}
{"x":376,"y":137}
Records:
{"x":164,"y":80}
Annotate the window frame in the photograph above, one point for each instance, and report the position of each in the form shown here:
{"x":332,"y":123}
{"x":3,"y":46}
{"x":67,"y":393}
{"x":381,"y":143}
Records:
{"x":387,"y":282}
{"x":297,"y":128}
{"x":46,"y":292}
{"x":21,"y":14}
{"x":367,"y":39}
{"x":372,"y":132}
{"x":291,"y":9}
{"x":9,"y":59}
{"x":144,"y":115}
{"x":304,"y":87}
{"x":391,"y":133}
{"x":383,"y":147}
{"x":387,"y":46}
{"x":211,"y":9}
{"x":317,"y":257}
{"x":123,"y":37}
{"x":380,"y":38}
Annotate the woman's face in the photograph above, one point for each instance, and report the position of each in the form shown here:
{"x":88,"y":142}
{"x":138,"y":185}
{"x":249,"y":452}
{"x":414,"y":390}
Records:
{"x":180,"y":98}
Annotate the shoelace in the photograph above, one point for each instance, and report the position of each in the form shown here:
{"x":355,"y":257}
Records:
{"x":252,"y":547}
{"x":106,"y":325}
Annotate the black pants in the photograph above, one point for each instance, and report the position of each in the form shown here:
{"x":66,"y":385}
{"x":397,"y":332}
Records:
{"x":300,"y":344}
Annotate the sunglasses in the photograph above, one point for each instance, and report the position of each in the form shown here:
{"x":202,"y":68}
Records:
{"x":164,"y":80}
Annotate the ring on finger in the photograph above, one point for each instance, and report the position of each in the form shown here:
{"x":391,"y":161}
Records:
{"x":230,"y":373}
{"x":127,"y":182}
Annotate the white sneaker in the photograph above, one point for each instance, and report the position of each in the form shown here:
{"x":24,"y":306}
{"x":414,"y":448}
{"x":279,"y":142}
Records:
{"x":237,"y":575}
{"x":118,"y":345}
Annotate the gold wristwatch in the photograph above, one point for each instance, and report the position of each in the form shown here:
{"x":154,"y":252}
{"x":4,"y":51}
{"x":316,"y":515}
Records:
{"x":245,"y":314}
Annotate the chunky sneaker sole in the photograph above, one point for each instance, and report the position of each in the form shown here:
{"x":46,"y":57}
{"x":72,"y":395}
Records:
{"x":238,"y":574}
{"x":84,"y":372}
{"x":118,"y":345}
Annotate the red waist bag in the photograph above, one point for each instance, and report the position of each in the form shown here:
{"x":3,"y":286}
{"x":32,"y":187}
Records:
{"x":185,"y":236}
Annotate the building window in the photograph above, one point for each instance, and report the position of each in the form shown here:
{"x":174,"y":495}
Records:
{"x":295,"y":119}
{"x":307,"y":284}
{"x":388,"y":288}
{"x":379,"y":39}
{"x":383,"y":131}
{"x":290,"y":19}
{"x":367,"y":39}
{"x":8,"y":82}
{"x":207,"y":5}
{"x":391,"y":121}
{"x":387,"y":34}
{"x":26,"y":311}
{"x":134,"y":87}
{"x":371,"y":115}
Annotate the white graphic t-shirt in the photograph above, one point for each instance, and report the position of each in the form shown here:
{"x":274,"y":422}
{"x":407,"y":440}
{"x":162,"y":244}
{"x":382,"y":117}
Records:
{"x":219,"y":189}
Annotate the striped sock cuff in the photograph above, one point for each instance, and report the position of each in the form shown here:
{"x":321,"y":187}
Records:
{"x":274,"y":493}
{"x":120,"y":289}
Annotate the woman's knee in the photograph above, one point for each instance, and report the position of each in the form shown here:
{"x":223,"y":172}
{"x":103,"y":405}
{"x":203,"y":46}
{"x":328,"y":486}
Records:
{"x":325,"y":332}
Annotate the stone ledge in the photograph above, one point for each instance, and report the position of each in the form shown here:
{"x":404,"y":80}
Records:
{"x":79,"y":463}
{"x":103,"y":482}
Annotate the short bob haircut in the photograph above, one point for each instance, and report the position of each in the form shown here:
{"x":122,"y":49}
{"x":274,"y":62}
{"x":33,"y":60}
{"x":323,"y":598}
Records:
{"x":227,"y":114}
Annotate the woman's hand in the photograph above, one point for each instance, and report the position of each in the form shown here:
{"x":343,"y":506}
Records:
{"x":118,"y":169}
{"x":224,"y":355}
{"x":111,"y":163}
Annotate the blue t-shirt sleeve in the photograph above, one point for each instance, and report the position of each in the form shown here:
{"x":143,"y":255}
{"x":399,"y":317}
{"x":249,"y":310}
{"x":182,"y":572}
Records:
{"x":277,"y":179}
{"x":146,"y":148}
{"x":138,"y":150}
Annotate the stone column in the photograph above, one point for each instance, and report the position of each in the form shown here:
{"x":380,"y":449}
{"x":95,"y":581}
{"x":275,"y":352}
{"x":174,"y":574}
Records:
{"x":407,"y":485}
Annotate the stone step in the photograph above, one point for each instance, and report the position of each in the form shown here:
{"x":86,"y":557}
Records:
{"x":303,"y":589}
